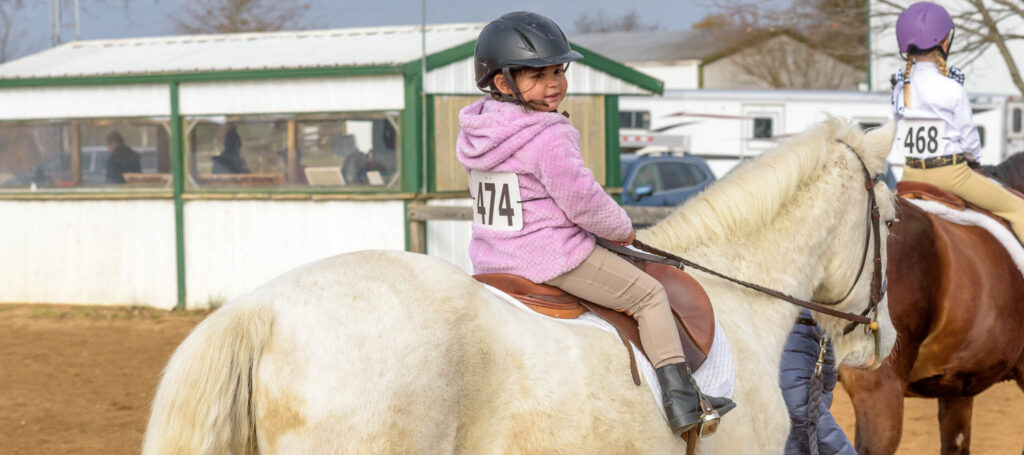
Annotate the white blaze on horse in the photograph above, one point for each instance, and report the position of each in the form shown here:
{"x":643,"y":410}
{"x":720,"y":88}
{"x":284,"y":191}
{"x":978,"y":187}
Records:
{"x":393,"y":352}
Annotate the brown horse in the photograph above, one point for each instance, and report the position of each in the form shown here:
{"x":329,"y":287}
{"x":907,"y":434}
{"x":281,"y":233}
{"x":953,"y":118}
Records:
{"x":957,"y":301}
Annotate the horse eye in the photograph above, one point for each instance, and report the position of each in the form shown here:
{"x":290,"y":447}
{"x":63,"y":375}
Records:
{"x":891,"y":222}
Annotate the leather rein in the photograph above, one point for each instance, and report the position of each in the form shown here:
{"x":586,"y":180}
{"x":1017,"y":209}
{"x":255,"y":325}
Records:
{"x":878,"y":285}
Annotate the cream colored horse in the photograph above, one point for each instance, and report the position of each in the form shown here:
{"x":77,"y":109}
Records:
{"x":392,"y":352}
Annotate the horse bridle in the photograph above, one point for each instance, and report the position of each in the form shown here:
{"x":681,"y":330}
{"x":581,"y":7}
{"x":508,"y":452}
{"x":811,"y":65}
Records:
{"x":868,"y":317}
{"x":878,"y":283}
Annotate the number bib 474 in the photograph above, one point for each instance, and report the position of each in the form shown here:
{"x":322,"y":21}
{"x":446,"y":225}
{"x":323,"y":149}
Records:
{"x":497,"y":201}
{"x":917,"y":137}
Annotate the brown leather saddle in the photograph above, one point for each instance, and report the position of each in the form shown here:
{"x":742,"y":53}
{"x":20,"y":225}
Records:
{"x":929,"y":192}
{"x":695,"y":318}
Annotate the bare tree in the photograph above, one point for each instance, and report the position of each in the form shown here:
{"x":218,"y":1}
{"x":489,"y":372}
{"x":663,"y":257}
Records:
{"x":836,"y":27}
{"x":807,"y":44}
{"x":980,"y":25}
{"x":8,"y":11}
{"x":234,"y":16}
{"x":599,"y":22}
{"x":785,"y":60}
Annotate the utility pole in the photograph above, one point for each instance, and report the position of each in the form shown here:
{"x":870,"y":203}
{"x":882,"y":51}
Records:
{"x":54,"y":22}
{"x":871,"y":53}
{"x":57,"y":21}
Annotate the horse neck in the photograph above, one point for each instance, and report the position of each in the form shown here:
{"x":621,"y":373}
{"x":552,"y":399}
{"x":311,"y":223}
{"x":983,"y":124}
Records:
{"x":913,"y":256}
{"x":788,"y":254}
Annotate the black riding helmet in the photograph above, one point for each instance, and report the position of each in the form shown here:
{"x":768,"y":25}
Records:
{"x":517,"y":40}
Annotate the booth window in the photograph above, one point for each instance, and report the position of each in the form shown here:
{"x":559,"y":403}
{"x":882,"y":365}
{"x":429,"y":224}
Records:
{"x":337,"y":150}
{"x":122,"y":153}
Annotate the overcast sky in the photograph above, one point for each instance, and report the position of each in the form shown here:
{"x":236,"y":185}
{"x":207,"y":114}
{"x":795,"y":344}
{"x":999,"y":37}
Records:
{"x":108,"y":19}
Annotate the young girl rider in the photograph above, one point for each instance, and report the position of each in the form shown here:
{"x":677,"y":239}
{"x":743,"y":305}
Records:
{"x":935,"y":129}
{"x":519,"y":149}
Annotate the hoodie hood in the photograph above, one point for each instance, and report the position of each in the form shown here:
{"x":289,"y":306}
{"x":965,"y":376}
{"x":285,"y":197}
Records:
{"x":492,"y":131}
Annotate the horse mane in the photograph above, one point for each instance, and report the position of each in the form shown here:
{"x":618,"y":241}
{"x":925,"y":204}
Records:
{"x":753,"y":193}
{"x":1011,"y":171}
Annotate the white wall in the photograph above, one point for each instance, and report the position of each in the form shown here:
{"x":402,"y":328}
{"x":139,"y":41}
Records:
{"x":681,"y":75}
{"x":449,"y":240}
{"x":109,"y":252}
{"x":131,"y":100}
{"x":233,"y":246}
{"x":365,"y":93}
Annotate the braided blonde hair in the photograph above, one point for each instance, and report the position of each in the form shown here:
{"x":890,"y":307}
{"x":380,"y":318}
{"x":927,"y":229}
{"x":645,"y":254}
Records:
{"x":906,"y":81}
{"x":942,"y":64}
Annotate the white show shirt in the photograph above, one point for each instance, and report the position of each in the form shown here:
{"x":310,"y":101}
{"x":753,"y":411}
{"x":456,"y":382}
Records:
{"x":935,"y":96}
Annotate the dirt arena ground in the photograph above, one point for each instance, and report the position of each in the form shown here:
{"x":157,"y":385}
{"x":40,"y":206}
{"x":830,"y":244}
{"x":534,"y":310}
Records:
{"x":78,"y":380}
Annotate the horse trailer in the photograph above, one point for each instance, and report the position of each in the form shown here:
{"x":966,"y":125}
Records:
{"x":726,"y":127}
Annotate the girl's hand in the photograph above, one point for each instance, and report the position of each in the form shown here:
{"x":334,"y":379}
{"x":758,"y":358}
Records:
{"x":628,"y":240}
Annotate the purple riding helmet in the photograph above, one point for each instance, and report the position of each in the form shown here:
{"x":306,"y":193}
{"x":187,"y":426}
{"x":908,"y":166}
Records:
{"x":922,"y":25}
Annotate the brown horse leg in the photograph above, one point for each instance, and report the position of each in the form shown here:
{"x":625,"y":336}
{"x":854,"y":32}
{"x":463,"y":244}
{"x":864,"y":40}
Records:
{"x":878,"y":402}
{"x":955,"y":425}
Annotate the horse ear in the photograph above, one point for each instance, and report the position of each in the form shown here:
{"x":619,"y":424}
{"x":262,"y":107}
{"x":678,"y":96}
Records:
{"x":878,"y":141}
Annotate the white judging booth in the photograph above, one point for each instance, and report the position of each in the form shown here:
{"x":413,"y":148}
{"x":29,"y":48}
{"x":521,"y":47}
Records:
{"x":184,"y":171}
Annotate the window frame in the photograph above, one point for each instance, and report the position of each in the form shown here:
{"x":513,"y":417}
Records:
{"x":295,"y":118}
{"x":634,"y":120}
{"x":656,"y":186}
{"x":75,"y":151}
{"x":757,"y":145}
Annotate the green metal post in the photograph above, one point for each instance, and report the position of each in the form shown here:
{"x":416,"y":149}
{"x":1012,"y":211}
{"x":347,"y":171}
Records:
{"x":178,"y":169}
{"x":412,"y":130}
{"x":431,"y":162}
{"x":613,"y":172}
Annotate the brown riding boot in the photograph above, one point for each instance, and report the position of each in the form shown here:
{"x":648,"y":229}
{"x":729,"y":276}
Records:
{"x":681,"y":398}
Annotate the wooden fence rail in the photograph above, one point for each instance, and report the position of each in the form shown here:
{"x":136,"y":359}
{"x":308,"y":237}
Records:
{"x":418,"y":214}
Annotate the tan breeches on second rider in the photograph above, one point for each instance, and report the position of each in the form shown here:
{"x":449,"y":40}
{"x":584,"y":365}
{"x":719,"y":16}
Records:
{"x":975,"y":188}
{"x":610,"y":281}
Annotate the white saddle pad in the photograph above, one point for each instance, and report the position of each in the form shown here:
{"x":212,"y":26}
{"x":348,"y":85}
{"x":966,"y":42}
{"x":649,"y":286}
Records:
{"x":715,"y":377}
{"x":970,"y":217}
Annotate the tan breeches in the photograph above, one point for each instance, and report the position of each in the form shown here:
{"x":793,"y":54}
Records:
{"x":610,"y":281}
{"x":986,"y":193}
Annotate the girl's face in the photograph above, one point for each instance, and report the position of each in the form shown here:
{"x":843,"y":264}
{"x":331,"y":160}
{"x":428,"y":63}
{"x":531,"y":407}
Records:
{"x":543,"y":89}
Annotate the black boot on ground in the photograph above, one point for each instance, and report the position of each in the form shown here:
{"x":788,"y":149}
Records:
{"x":681,"y":400}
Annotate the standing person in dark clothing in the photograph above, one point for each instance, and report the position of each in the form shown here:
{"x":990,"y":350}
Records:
{"x":230,"y":161}
{"x":809,"y":395}
{"x":122,"y":158}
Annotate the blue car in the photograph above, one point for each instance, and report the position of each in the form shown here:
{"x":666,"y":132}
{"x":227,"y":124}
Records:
{"x":662,"y":180}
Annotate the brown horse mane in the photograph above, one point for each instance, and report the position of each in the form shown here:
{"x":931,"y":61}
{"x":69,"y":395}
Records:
{"x":1010,"y":171}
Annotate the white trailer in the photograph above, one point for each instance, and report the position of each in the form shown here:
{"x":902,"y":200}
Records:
{"x":727,"y":126}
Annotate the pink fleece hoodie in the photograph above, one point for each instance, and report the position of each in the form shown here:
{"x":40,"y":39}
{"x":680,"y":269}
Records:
{"x":563,"y":206}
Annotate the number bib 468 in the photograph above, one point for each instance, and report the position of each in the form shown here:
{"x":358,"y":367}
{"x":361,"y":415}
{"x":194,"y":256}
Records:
{"x":498,"y":205}
{"x":917,"y":137}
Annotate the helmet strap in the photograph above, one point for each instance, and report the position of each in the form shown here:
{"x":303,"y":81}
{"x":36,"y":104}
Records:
{"x":945,"y":52}
{"x":512,"y":83}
